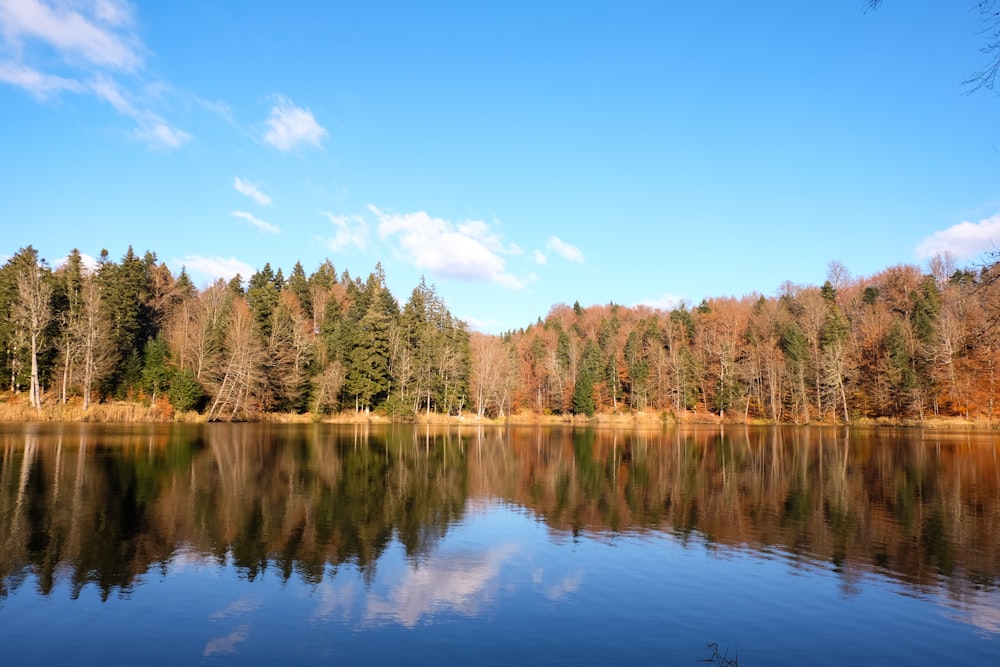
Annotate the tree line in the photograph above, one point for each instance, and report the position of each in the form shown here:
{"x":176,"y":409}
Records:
{"x":902,"y":344}
{"x":320,"y":343}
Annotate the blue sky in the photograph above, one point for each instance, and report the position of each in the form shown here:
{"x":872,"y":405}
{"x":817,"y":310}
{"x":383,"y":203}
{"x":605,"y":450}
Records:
{"x":517,"y":154}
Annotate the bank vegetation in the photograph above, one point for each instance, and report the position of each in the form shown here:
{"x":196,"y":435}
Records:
{"x":128,"y":340}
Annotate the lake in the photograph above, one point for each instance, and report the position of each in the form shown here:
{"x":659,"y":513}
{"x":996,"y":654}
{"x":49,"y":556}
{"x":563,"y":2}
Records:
{"x":324,"y":544}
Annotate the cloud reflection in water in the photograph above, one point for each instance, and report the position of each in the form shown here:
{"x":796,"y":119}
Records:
{"x":458,"y":582}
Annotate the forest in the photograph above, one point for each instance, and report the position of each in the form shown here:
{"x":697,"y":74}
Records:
{"x":905,"y":344}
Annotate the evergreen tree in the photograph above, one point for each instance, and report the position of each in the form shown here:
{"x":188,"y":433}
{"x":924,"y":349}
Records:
{"x":828,"y":292}
{"x":185,"y":288}
{"x":185,"y":392}
{"x":156,"y":369}
{"x":262,"y":298}
{"x":589,"y":371}
{"x":235,"y":285}
{"x":368,"y":378}
{"x":125,"y":292}
{"x":902,"y":378}
{"x":637,"y":367}
{"x":795,"y":347}
{"x":298,"y":285}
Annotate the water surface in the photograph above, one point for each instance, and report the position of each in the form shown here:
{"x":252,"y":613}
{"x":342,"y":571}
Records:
{"x":256,"y":544}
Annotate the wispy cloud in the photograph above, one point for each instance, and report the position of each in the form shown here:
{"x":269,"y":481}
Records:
{"x":966,"y":240}
{"x":564,"y":250}
{"x":98,"y":33}
{"x":39,"y":85}
{"x":151,"y":128}
{"x":214,"y":268}
{"x":540,"y":257}
{"x":351,"y":230}
{"x":468,"y":250}
{"x":217,"y":107}
{"x":251,"y":190}
{"x":83,"y":46}
{"x":257,"y":222}
{"x":290,"y":126}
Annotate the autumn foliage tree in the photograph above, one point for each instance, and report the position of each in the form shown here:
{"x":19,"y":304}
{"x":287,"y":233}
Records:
{"x":905,"y":343}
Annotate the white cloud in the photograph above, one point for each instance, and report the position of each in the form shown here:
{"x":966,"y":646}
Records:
{"x":486,"y":326}
{"x":965,"y":240}
{"x":217,"y":107}
{"x":152,"y":129}
{"x":113,"y":12}
{"x":87,"y":31}
{"x":470,"y":250}
{"x":666,"y":302}
{"x":88,"y":262}
{"x":40,"y":85}
{"x":564,"y":250}
{"x":256,"y":222}
{"x":352,"y":230}
{"x":251,"y":190}
{"x":108,"y":90}
{"x":290,"y":126}
{"x":93,"y":40}
{"x":214,"y":267}
{"x":160,"y":135}
{"x":540,"y":258}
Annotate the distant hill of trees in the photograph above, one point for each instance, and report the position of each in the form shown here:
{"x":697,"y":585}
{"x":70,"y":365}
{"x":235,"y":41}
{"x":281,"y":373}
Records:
{"x":902,"y":344}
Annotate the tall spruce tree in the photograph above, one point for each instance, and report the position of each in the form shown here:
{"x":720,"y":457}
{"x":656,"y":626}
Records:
{"x":368,"y":379}
{"x":125,"y":291}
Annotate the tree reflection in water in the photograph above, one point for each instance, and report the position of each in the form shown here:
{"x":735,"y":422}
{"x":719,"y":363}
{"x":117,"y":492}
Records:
{"x":105,"y":505}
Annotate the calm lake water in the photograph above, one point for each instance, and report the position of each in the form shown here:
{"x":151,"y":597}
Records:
{"x":251,"y":544}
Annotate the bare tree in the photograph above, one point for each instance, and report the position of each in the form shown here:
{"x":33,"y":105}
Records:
{"x":989,"y":16}
{"x":238,"y":396}
{"x":490,"y":364}
{"x":93,"y":334}
{"x":33,"y":311}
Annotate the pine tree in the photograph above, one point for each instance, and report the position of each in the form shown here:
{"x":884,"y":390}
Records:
{"x":262,"y":298}
{"x":583,"y":390}
{"x":902,"y":378}
{"x":125,"y":291}
{"x":298,"y":285}
{"x":368,"y":379}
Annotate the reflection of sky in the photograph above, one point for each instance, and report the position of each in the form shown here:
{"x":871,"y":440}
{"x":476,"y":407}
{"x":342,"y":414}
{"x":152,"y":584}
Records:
{"x":503,"y":585}
{"x":561,"y":588}
{"x":461,"y":582}
{"x":980,"y":609}
{"x":228,"y":644}
{"x":241,"y":606}
{"x":336,"y":602}
{"x":489,"y":554}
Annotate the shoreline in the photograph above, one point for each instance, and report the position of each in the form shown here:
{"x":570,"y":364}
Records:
{"x":136,"y":412}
